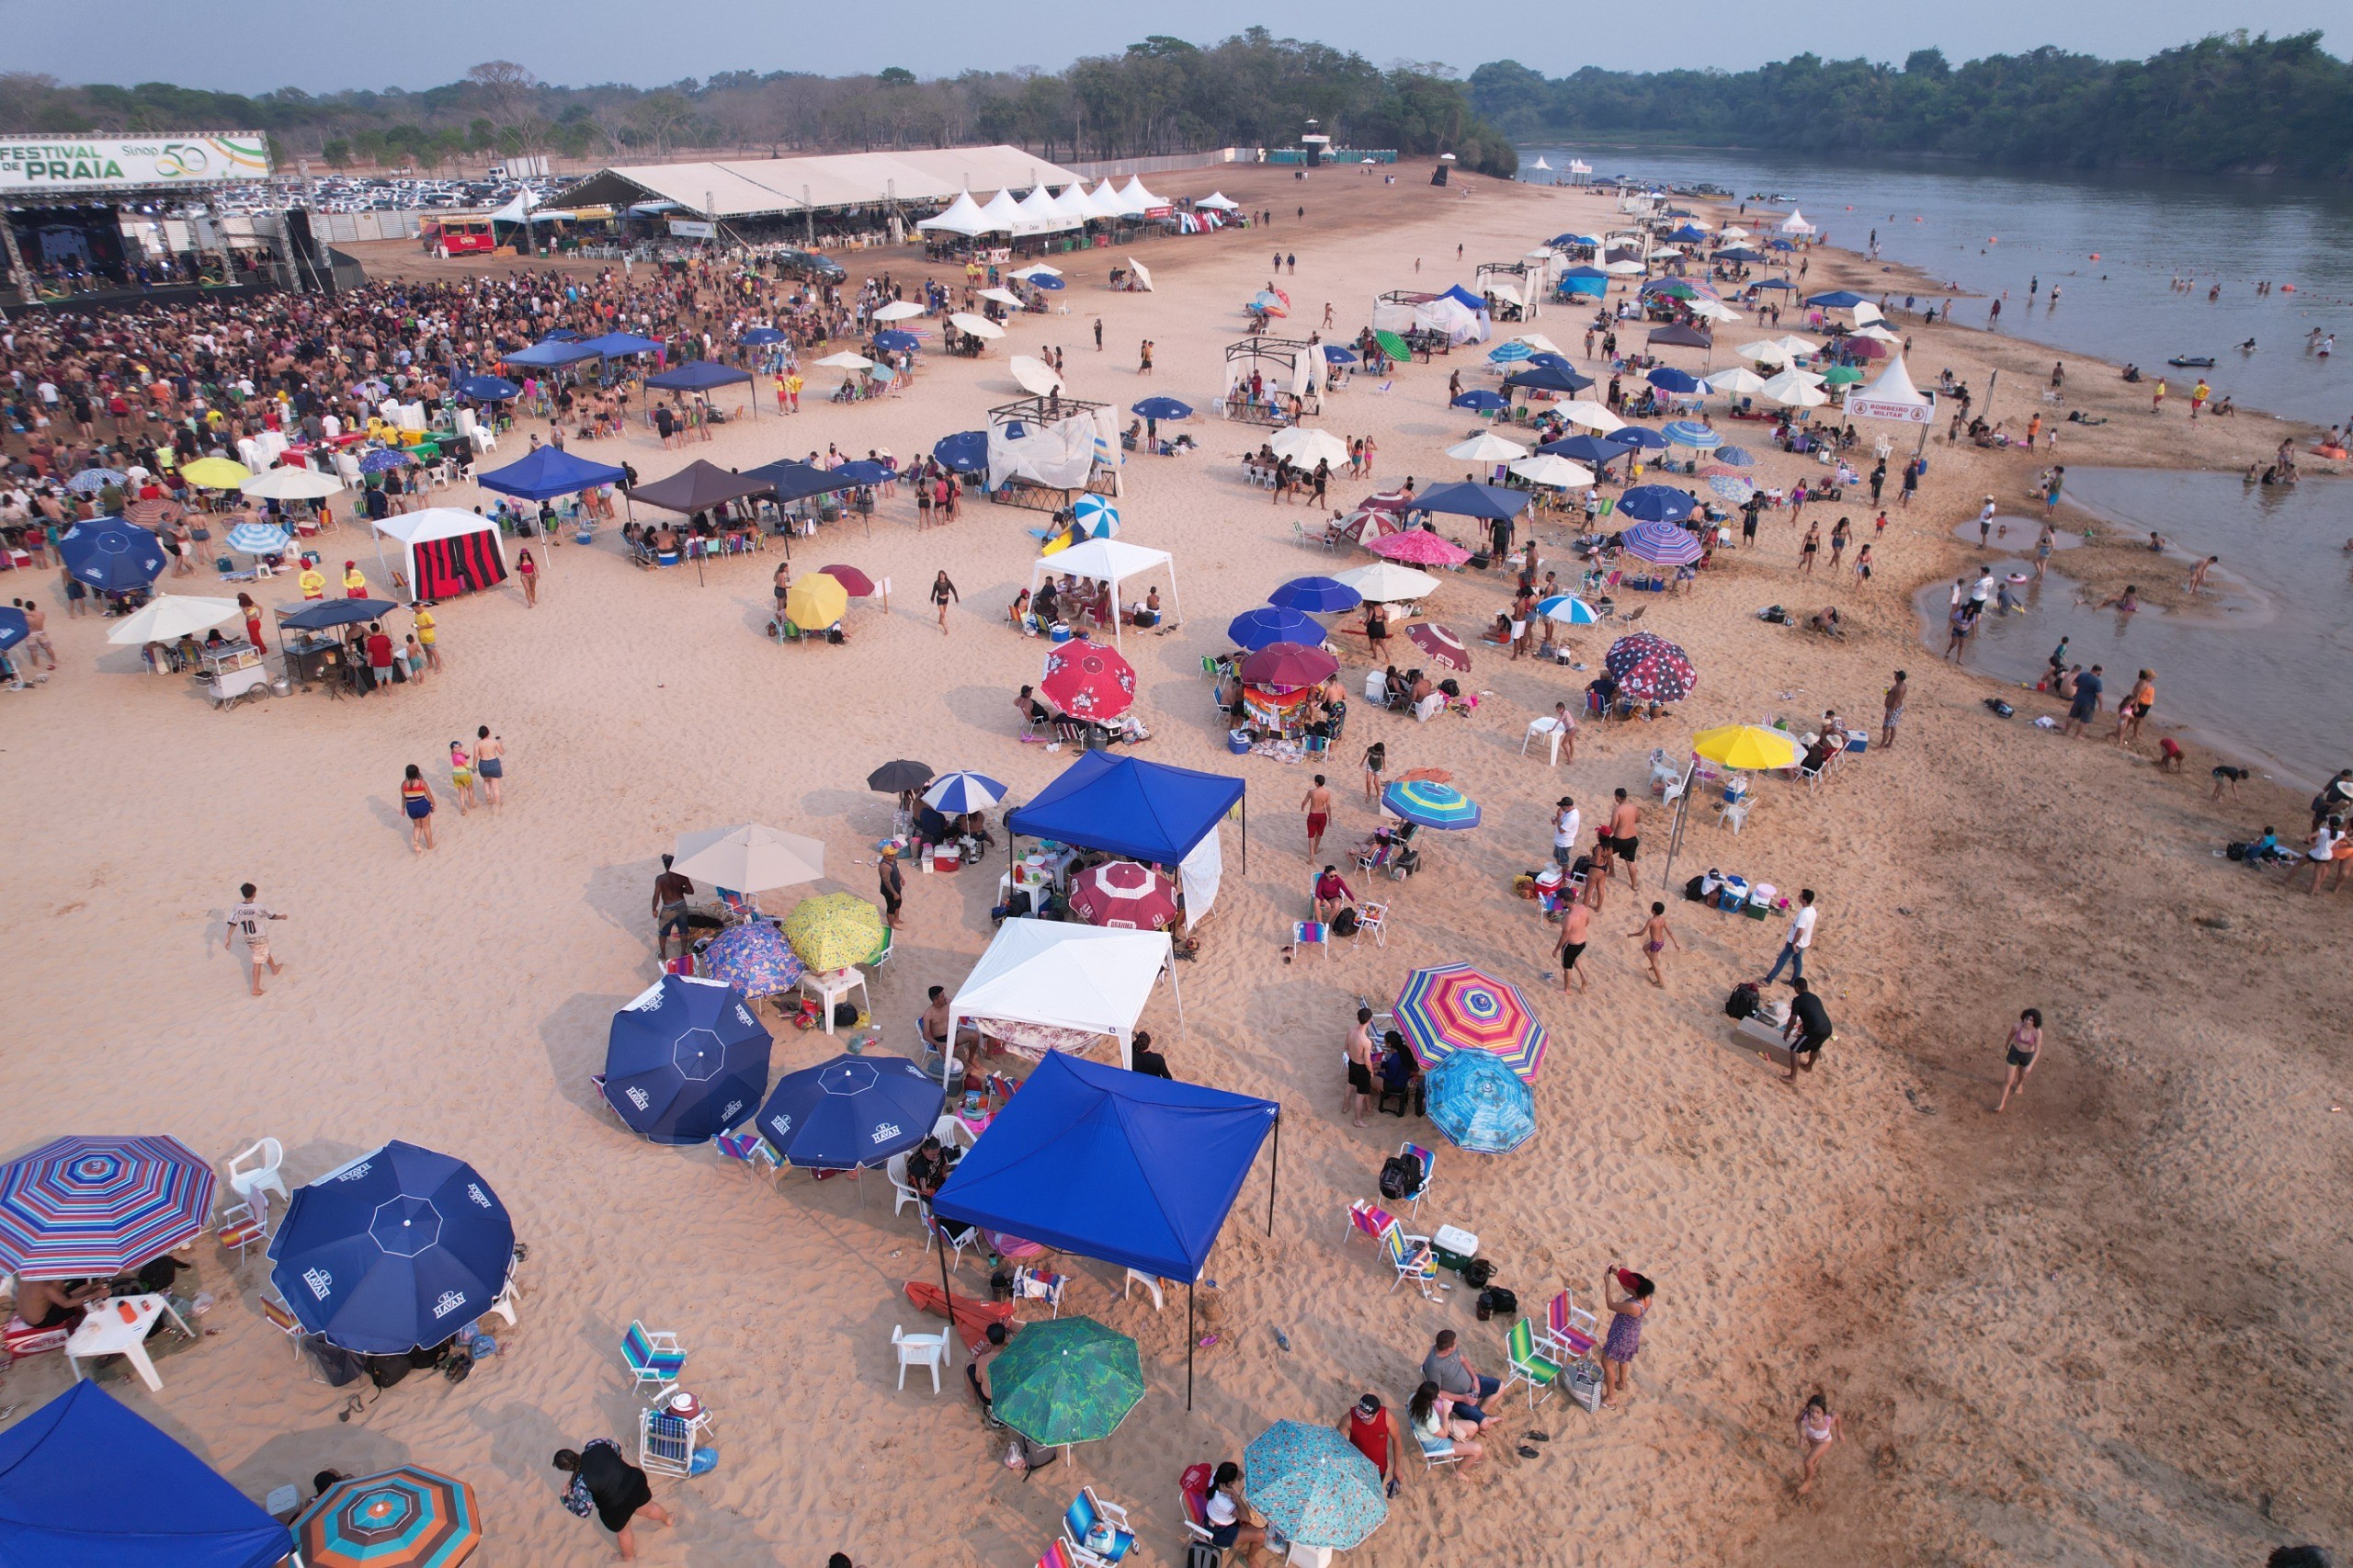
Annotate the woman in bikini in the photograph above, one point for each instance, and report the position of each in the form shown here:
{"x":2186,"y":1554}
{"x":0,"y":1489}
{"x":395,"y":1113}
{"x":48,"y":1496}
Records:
{"x":416,"y":801}
{"x":1376,"y":758}
{"x":1817,"y":1429}
{"x":1656,"y":935}
{"x":489,"y":761}
{"x":2025,"y":1044}
{"x":461,"y":777}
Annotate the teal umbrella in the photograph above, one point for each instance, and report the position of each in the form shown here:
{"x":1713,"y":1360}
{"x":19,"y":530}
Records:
{"x":1066,"y":1380}
{"x":1313,"y":1486}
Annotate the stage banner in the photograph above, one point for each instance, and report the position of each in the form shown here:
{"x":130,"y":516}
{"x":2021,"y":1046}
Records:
{"x":97,"y":163}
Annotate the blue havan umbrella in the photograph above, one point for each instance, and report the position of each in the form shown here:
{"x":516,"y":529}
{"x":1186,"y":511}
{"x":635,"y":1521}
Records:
{"x":1045,"y":281}
{"x":396,"y":1250}
{"x":755,"y":958}
{"x":1692,"y":434}
{"x":82,"y":1206}
{"x":893,"y":341}
{"x":955,"y":793}
{"x":1779,"y":244}
{"x":761,"y":337}
{"x":1507,"y":353}
{"x":1568,"y":610}
{"x":883,"y":373}
{"x":1313,"y":1486}
{"x":1316,"y":595}
{"x":1480,"y":1104}
{"x":1667,"y":379}
{"x":852,"y":1113}
{"x":1739,"y":457}
{"x":862,"y":472}
{"x":1431,"y":805}
{"x":111,"y":554}
{"x":685,"y":1061}
{"x":1257,"y":628}
{"x":1337,"y":354}
{"x":967,"y":452}
{"x":1162,"y":408}
{"x":90,"y":481}
{"x":1656,"y":504}
{"x":488,"y":388}
{"x":384,"y":458}
{"x":1483,"y":400}
{"x":1634,"y":436}
{"x":1661,"y":543}
{"x":259,"y":538}
{"x":14,"y":627}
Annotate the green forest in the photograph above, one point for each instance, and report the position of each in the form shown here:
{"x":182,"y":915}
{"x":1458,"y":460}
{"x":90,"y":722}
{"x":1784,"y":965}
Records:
{"x":1161,"y":95}
{"x":2225,"y":103}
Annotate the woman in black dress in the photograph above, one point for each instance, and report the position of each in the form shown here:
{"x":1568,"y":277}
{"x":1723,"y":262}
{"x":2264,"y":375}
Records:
{"x":604,"y":1481}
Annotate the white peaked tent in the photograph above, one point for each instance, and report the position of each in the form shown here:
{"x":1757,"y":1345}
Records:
{"x":1040,"y":216}
{"x":1002,"y":215}
{"x":1795,"y":223}
{"x":1133,"y":195}
{"x":1218,"y":202}
{"x":1073,"y":204}
{"x":1539,"y":162}
{"x":1068,"y":976}
{"x":1112,"y":561}
{"x":962,"y":217}
{"x":1107,"y":197}
{"x":409,"y":529}
{"x":1891,"y":396}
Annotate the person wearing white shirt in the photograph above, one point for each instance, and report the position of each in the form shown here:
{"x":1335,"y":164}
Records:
{"x":1794,"y":944}
{"x":1566,"y":819}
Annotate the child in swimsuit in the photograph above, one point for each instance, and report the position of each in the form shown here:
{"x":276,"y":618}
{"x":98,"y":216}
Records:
{"x":462,"y":775}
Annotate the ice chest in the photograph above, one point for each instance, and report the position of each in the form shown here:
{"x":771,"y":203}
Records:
{"x":1455,"y":1246}
{"x":1754,"y":1036}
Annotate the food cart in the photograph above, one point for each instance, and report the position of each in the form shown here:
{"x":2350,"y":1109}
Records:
{"x":233,"y":673}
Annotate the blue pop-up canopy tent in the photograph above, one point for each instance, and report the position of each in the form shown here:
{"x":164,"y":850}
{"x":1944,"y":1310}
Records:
{"x":1110,"y":1163}
{"x":1547,"y":378}
{"x":550,"y":355}
{"x":619,"y":345}
{"x":791,"y":481}
{"x":1488,"y":501}
{"x":1466,"y":299}
{"x":87,"y":1483}
{"x":546,"y":472}
{"x":701,"y":375}
{"x":1837,"y":300}
{"x":1589,"y":449}
{"x":1142,"y":810}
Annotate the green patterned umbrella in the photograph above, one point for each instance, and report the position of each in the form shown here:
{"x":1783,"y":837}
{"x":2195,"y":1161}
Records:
{"x":1066,"y":1380}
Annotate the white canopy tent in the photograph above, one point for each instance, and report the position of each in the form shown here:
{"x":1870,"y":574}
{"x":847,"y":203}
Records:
{"x":1073,"y":204}
{"x":1133,"y":195}
{"x":1002,"y":215}
{"x":962,"y":217}
{"x":1067,"y":976}
{"x":1107,"y":197}
{"x":1891,"y":396}
{"x":1795,"y":223}
{"x":1040,"y":216}
{"x":1112,"y":561}
{"x":409,"y":529}
{"x":1218,"y":202}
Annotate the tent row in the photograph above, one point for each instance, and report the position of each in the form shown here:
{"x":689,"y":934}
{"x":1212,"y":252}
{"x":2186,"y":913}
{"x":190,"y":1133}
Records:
{"x":1041,"y":212}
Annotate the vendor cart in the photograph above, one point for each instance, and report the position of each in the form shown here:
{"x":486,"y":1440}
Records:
{"x":232,"y":673}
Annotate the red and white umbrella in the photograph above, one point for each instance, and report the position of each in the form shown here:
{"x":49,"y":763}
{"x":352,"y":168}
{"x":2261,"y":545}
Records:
{"x":1421,"y":547}
{"x":1370,"y":522}
{"x":1441,"y":644}
{"x":1126,"y":895}
{"x":855,"y":583}
{"x":1086,"y":680}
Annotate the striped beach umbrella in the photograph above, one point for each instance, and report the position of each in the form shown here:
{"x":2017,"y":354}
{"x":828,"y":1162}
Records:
{"x":956,"y":793}
{"x":1511,"y":353}
{"x":1095,"y":515}
{"x":1568,"y":610}
{"x":1429,"y":805}
{"x":1692,"y":434}
{"x":90,"y":481}
{"x":84,"y":1206}
{"x":1479,"y":1105}
{"x":1313,"y":1486}
{"x":1661,"y":543}
{"x":259,"y":538}
{"x":407,"y":1518}
{"x":1457,"y":1007}
{"x":836,"y":930}
{"x":1126,"y":894}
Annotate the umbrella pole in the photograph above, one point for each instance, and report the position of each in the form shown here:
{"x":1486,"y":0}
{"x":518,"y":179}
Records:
{"x":947,"y":1296}
{"x":1188,"y":1344}
{"x":1682,"y":814}
{"x":1275,"y":1171}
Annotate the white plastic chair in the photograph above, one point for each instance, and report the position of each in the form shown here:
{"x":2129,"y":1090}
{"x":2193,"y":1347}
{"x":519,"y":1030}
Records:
{"x":1736,"y":813}
{"x":1151,"y":1285}
{"x":1373,"y":917}
{"x":919,"y":1350}
{"x":949,"y":1131}
{"x":1424,"y":711}
{"x":902,"y":1194}
{"x":257,"y":1170}
{"x":935,"y":1232}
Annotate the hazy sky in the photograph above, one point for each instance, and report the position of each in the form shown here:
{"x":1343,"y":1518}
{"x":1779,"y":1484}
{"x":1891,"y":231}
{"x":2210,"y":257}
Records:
{"x":263,"y":44}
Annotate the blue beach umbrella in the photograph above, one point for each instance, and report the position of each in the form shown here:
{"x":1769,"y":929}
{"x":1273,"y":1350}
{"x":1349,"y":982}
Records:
{"x":1661,"y":543}
{"x":1045,"y":281}
{"x":90,"y":481}
{"x":1667,"y":379}
{"x":1739,"y":457}
{"x":761,"y":337}
{"x":1480,"y":1104}
{"x":488,"y":388}
{"x":853,"y":1111}
{"x":1316,"y":595}
{"x":1568,"y":610}
{"x":384,"y":458}
{"x":893,"y":340}
{"x":1692,"y":434}
{"x":1257,"y":629}
{"x":1162,"y":408}
{"x":1431,"y":805}
{"x":396,"y":1250}
{"x":1507,"y":352}
{"x":1313,"y":1486}
{"x":956,"y":793}
{"x":1638,"y":436}
{"x":685,"y":1061}
{"x":1779,"y":244}
{"x":14,"y":627}
{"x":1656,"y":504}
{"x":259,"y":538}
{"x":1481,"y":399}
{"x":1337,"y":354}
{"x":967,"y":452}
{"x":111,"y":554}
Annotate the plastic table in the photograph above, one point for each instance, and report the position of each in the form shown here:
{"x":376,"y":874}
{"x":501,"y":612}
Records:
{"x":105,"y":1331}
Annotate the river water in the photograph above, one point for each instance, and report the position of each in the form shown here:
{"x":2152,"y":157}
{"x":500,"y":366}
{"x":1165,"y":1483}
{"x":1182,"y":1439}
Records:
{"x":1987,"y":231}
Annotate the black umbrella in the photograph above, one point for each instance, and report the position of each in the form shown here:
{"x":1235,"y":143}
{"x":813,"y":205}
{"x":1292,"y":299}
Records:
{"x":899,"y":778}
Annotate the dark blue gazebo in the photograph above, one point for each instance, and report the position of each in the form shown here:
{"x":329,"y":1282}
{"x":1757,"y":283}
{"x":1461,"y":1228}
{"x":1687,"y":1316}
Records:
{"x":548,"y":473}
{"x":701,"y":375}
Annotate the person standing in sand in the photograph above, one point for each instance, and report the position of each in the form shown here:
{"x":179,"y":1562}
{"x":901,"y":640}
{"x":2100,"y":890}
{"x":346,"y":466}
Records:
{"x":1628,"y":1296}
{"x":2086,"y":703}
{"x":1656,"y":935}
{"x":1318,"y":804}
{"x":1894,"y":716}
{"x":942,"y":593}
{"x":489,"y":761}
{"x":1625,"y":835}
{"x":1358,"y":1095}
{"x":2018,"y":1053}
{"x":245,"y":919}
{"x":417,"y":801}
{"x":1818,"y":1427}
{"x":671,"y":891}
{"x":1376,"y":758}
{"x":891,"y":884}
{"x":1576,"y":927}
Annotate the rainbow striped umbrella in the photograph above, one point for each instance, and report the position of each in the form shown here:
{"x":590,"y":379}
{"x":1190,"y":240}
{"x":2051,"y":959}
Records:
{"x":1457,"y":1007}
{"x":403,"y":1518}
{"x":85,"y":1207}
{"x":1429,"y":805}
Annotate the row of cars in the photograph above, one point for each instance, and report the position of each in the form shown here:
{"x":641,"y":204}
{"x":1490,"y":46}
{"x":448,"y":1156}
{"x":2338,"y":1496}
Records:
{"x":388,"y":193}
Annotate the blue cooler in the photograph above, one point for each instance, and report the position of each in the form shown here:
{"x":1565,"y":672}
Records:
{"x":1059,"y":632}
{"x":1734,"y":894}
{"x":1238,"y":742}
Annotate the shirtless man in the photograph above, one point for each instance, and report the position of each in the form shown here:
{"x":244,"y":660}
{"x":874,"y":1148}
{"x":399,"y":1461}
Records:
{"x":1656,"y":936}
{"x":1359,"y":1093}
{"x":671,"y":891}
{"x":1625,"y":835}
{"x":935,"y":1023}
{"x":2197,"y":578}
{"x":1893,"y":717}
{"x":1317,"y":803}
{"x":1576,"y":921}
{"x":37,"y":632}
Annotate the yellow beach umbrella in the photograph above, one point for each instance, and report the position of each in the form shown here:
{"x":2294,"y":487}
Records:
{"x":836,"y":930}
{"x":215,"y":474}
{"x":1751,"y":746}
{"x":814,"y":603}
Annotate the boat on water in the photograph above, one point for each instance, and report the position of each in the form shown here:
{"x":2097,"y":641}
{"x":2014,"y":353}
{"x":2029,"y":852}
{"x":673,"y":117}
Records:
{"x":2192,"y":361}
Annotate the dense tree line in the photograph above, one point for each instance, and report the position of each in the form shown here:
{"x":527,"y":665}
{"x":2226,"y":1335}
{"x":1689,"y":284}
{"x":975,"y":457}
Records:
{"x":2225,"y":103}
{"x":1161,"y":95}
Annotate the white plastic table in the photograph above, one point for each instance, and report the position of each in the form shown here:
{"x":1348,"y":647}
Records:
{"x":104,"y":1333}
{"x":831,"y":985}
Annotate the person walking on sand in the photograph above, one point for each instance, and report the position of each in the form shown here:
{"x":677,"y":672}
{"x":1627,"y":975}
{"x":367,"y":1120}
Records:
{"x":1628,"y":1296}
{"x":943,"y":592}
{"x":1893,"y":718}
{"x":245,"y":919}
{"x":489,"y":762}
{"x":2088,"y":687}
{"x":2018,"y":1055}
{"x":892,"y":884}
{"x":416,"y":801}
{"x":1576,"y":927}
{"x":604,"y":1483}
{"x":1318,"y":804}
{"x":671,"y":891}
{"x":526,"y":571}
{"x":1358,"y":1095}
{"x":1376,"y":758}
{"x":1795,"y":942}
{"x":1808,"y":1031}
{"x":1625,"y":835}
{"x":461,"y":777}
{"x":1817,"y":1427}
{"x":1656,"y":935}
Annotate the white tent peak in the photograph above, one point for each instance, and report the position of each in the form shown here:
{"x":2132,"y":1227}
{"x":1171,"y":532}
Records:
{"x":1068,"y":976}
{"x":962,"y":217}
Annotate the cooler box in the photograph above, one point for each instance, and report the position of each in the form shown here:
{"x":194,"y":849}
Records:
{"x":1059,"y":632}
{"x":1455,"y":1246}
{"x":1858,"y":741}
{"x":1734,"y":894}
{"x":947,"y":858}
{"x":1756,"y":908}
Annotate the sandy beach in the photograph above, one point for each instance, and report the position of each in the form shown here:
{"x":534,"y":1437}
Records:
{"x":2105,"y":1327}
